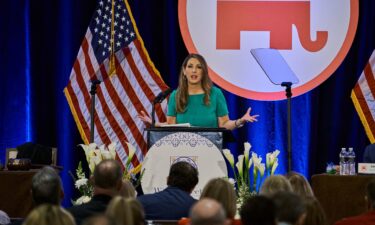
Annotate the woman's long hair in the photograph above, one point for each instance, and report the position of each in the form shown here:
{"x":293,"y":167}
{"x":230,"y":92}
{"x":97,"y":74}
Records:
{"x":223,"y":192}
{"x":126,"y":211}
{"x":182,"y":93}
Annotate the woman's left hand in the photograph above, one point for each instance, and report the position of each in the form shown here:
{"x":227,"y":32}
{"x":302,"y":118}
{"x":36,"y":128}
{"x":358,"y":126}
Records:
{"x":249,"y":118}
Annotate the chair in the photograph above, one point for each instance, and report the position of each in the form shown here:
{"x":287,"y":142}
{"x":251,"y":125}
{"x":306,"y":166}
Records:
{"x":11,"y":153}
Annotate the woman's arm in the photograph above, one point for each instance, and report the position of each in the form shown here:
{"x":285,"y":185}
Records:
{"x":147,"y":120}
{"x":225,"y":122}
{"x":171,"y":120}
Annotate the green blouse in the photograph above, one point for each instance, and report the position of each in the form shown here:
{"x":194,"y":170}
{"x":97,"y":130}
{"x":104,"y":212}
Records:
{"x":197,"y":113}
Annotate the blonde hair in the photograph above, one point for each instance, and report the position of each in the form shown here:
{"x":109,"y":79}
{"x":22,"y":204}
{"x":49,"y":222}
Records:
{"x":182,"y":92}
{"x":125,"y":211}
{"x":47,"y":214}
{"x":222,"y":191}
{"x":274,"y":184}
{"x":300,"y":185}
{"x":127,"y":189}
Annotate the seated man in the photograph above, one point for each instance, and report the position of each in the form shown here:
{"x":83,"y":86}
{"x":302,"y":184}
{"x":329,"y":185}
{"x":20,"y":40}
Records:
{"x":369,"y":154}
{"x":107,"y":180}
{"x":368,"y":217}
{"x":175,"y":201}
{"x":46,"y":188}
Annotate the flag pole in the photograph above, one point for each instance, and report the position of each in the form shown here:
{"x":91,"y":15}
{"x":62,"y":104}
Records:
{"x":94,"y":84}
{"x":112,"y":67}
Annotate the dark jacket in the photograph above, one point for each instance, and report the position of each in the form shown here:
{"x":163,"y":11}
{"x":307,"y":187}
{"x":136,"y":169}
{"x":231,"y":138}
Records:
{"x":97,"y":205}
{"x":170,"y":204}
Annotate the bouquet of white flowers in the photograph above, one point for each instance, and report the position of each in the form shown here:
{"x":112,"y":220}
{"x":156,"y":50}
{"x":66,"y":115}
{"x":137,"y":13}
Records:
{"x":94,"y":155}
{"x":245,"y":166}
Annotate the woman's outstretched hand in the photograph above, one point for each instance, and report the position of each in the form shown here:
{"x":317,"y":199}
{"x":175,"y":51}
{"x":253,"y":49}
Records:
{"x":247,"y":117}
{"x":145,"y":118}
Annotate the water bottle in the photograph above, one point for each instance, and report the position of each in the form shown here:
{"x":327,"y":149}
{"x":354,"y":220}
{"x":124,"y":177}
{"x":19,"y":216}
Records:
{"x":351,"y":161}
{"x":343,"y":162}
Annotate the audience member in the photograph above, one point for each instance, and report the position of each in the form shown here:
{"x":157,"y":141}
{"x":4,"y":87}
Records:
{"x":127,"y":189}
{"x":300,"y":185}
{"x":126,"y":211}
{"x":175,"y":201}
{"x":368,"y":217}
{"x":369,"y":154}
{"x":208,"y":212}
{"x":46,"y":187}
{"x":290,"y":208}
{"x":99,"y":219}
{"x":223,"y":192}
{"x":48,"y":214}
{"x":107,"y":183}
{"x":314,"y":212}
{"x":4,"y":218}
{"x":274,"y":184}
{"x":258,"y":210}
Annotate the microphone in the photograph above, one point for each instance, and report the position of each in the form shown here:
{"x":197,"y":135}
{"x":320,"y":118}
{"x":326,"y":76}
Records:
{"x":95,"y":82}
{"x":162,"y":95}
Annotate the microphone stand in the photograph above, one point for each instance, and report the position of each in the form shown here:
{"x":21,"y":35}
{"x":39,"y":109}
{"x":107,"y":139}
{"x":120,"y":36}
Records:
{"x":153,"y":115}
{"x":94,"y":84}
{"x":288,"y":94}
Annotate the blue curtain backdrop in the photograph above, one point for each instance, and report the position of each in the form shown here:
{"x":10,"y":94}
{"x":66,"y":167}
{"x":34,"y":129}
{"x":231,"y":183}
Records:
{"x":39,"y":41}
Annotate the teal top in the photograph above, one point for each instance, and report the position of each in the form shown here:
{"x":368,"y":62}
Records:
{"x":197,"y":113}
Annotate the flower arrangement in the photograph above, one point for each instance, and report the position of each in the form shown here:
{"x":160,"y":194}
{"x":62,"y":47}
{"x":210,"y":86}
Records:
{"x":94,"y":155}
{"x":245,"y":166}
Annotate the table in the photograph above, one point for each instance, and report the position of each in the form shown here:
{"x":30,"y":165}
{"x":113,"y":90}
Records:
{"x":15,"y":192}
{"x":341,"y":196}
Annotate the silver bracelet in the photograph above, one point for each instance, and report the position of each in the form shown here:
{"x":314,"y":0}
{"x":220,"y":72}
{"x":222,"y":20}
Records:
{"x":238,"y":126}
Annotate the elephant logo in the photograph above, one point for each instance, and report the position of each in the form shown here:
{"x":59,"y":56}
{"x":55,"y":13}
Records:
{"x":312,"y":36}
{"x":276,"y":17}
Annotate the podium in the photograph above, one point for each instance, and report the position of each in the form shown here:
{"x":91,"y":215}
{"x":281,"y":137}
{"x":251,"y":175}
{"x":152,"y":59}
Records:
{"x":201,"y":147}
{"x":216,"y":135}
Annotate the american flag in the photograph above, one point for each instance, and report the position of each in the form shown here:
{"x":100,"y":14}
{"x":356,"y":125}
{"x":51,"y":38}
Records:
{"x":363,"y":96}
{"x":122,"y":94}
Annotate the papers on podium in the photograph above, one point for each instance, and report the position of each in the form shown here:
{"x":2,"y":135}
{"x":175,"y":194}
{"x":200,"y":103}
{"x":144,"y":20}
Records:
{"x":176,"y":125}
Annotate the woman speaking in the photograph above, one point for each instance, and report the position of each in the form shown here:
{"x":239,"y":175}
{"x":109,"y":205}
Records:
{"x":197,"y":101}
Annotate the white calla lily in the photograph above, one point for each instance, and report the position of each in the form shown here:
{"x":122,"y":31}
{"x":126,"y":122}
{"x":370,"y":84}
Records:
{"x":228,"y":155}
{"x":247,"y":147}
{"x":131,"y":153}
{"x":261,"y":169}
{"x":239,"y":166}
{"x":112,"y":149}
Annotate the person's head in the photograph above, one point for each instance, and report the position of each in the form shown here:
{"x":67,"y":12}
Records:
{"x":107,"y":177}
{"x":99,"y":219}
{"x":126,"y":211}
{"x":47,"y":214}
{"x":127,"y":190}
{"x":300,"y":185}
{"x":194,"y":71}
{"x":370,"y":194}
{"x":274,"y":184}
{"x":290,"y":207}
{"x":258,"y":210}
{"x":46,"y":187}
{"x":183,"y":176}
{"x":314,"y":212}
{"x":207,"y":212}
{"x":223,"y":192}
